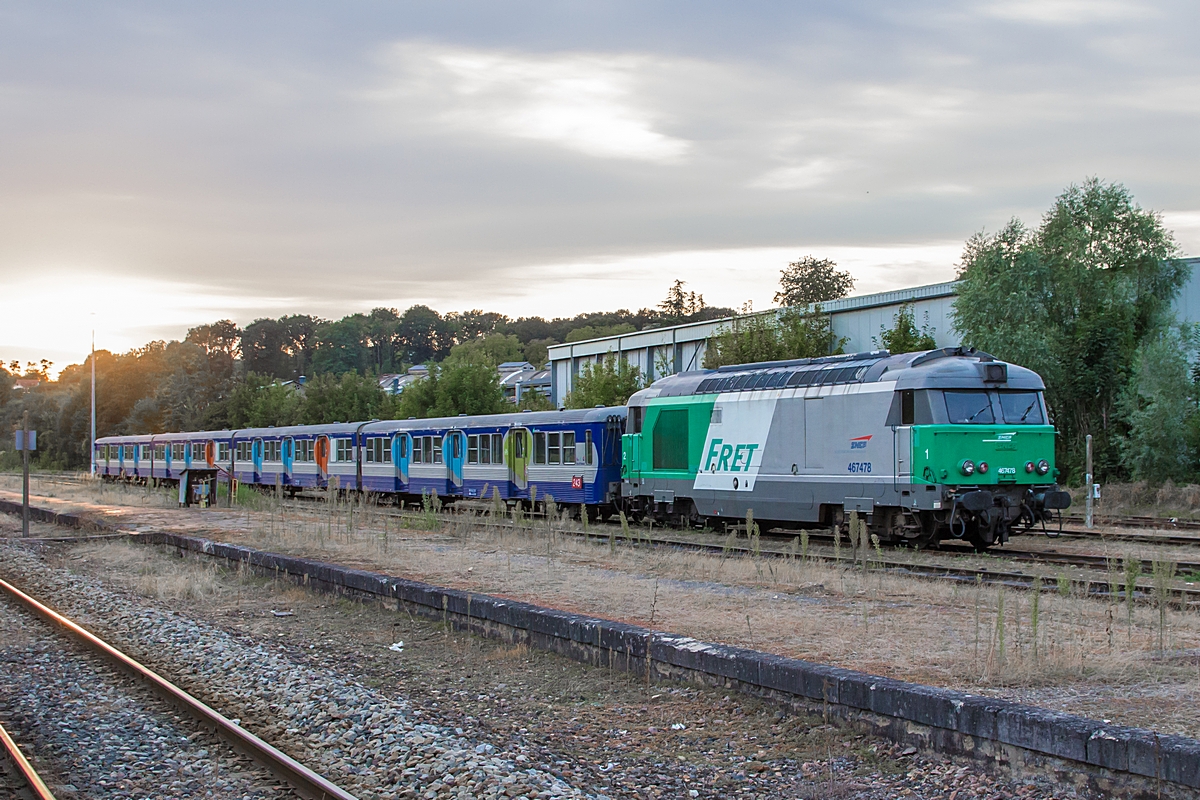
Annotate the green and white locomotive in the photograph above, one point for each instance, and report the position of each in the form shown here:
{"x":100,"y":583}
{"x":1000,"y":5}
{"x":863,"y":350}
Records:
{"x":944,"y":444}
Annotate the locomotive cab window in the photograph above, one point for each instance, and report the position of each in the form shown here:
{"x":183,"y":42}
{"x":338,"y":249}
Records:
{"x":969,"y":407}
{"x":1021,"y":408}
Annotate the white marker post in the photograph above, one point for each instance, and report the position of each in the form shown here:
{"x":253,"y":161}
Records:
{"x":1088,"y":482}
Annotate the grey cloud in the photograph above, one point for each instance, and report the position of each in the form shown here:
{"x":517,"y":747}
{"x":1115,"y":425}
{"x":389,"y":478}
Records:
{"x":339,"y":155}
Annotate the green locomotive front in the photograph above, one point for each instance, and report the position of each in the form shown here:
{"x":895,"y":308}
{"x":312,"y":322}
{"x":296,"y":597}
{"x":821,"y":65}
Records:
{"x":925,"y":446}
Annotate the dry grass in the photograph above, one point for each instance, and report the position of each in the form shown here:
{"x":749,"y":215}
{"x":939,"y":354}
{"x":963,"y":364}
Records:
{"x":1142,"y":499}
{"x":1085,"y":655}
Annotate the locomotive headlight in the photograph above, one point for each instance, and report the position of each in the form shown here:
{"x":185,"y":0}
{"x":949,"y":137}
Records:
{"x":1043,"y":467}
{"x":983,"y":467}
{"x":1029,"y":466}
{"x":967,"y":467}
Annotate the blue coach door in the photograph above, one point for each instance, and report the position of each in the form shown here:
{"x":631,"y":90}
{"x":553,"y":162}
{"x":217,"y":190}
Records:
{"x":454,"y":450}
{"x":256,"y":454}
{"x":401,"y":451}
{"x":287,"y":454}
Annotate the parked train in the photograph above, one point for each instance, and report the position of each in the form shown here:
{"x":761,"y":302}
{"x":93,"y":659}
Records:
{"x":944,"y":444}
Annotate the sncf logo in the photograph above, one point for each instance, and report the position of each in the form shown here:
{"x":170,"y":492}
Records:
{"x":859,"y":443}
{"x":728,"y":457}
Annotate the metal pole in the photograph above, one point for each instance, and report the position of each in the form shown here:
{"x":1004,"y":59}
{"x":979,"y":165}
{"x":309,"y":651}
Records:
{"x":93,"y":404}
{"x":25,"y":476}
{"x":1088,"y":479}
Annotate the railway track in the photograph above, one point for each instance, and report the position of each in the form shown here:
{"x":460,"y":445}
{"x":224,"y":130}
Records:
{"x":17,"y":776}
{"x":303,"y":781}
{"x":1099,"y":586}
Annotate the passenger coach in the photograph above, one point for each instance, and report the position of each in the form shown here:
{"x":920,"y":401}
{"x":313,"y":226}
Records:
{"x":572,"y":456}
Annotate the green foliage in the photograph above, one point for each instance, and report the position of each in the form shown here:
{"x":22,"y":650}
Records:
{"x":259,"y":402}
{"x":1159,"y":403}
{"x":533,"y":400}
{"x":495,"y":348}
{"x":680,"y":306}
{"x":609,"y":382}
{"x":904,"y":337}
{"x":595,"y":332}
{"x":350,"y":398}
{"x":788,"y":333}
{"x":537,"y":351}
{"x":1075,"y":301}
{"x":462,"y":384}
{"x":810,"y":281}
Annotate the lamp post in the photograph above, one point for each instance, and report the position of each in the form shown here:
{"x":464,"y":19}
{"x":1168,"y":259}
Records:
{"x":93,"y":456}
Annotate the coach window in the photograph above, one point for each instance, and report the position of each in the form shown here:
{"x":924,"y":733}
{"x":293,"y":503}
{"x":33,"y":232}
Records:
{"x":403,"y":448}
{"x":552,"y":448}
{"x":344,"y":451}
{"x":485,"y":449}
{"x":418,"y":456}
{"x":437,"y":450}
{"x":222,"y":451}
{"x":497,"y":448}
{"x":568,"y":447}
{"x":539,"y":448}
{"x":473,"y":449}
{"x":587,"y":445}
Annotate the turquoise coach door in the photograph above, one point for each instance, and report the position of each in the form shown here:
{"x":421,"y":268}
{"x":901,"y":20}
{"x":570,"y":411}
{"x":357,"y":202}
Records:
{"x":454,"y":450}
{"x":401,"y":448}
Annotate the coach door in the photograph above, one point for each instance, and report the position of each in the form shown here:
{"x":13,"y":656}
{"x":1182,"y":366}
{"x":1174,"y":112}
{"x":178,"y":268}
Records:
{"x":321,"y":457}
{"x":401,"y":452}
{"x":518,"y":443}
{"x":454,"y":447}
{"x":287,"y":454}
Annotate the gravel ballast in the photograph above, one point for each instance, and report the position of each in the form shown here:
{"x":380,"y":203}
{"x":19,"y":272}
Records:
{"x":96,"y":733}
{"x":541,"y":717}
{"x":367,"y":742}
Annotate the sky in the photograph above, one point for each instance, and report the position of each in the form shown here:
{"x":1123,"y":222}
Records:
{"x":167,"y":165}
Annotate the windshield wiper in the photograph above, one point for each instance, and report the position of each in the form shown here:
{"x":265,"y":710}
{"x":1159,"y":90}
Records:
{"x":1026,"y":414}
{"x":984,"y":408}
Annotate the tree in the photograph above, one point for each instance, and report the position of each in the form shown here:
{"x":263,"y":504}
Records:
{"x":349,"y":398}
{"x":679,"y":305}
{"x":1075,"y":301}
{"x":1160,"y":405}
{"x":904,"y":337}
{"x":582,"y":334}
{"x":537,"y":351}
{"x":422,"y":335}
{"x":812,"y":280}
{"x":220,"y":337}
{"x":494,"y":349}
{"x":462,"y":384}
{"x":608,"y":382}
{"x":259,"y":401}
{"x":786,"y":334}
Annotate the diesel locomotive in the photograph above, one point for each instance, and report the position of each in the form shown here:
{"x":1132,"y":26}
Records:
{"x":943,"y":444}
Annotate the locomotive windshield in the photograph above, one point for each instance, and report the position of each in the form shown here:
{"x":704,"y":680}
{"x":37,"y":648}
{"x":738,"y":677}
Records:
{"x":968,"y":407}
{"x":982,"y":408}
{"x":1021,"y":408}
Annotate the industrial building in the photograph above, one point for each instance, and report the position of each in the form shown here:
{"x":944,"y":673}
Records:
{"x":859,"y":320}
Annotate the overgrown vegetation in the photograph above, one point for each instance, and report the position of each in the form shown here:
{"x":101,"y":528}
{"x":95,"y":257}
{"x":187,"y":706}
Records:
{"x":1085,"y":300}
{"x":607,"y":382}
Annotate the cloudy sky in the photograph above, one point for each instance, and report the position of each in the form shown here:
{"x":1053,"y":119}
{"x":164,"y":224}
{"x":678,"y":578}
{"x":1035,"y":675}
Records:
{"x":163,"y":165}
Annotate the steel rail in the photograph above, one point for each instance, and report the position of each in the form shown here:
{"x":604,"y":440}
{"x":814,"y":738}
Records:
{"x":303,"y":780}
{"x":36,"y":784}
